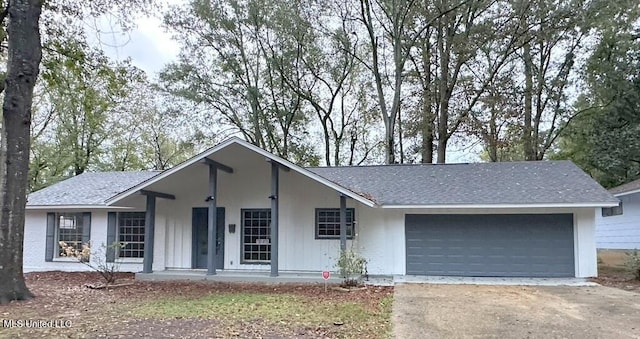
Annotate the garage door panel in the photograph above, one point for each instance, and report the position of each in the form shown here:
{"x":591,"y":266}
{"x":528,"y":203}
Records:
{"x":490,"y":245}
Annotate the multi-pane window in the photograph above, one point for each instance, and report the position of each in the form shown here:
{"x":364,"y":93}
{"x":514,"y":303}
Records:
{"x":611,"y":211}
{"x":69,"y":230}
{"x":131,"y":234}
{"x":328,"y":223}
{"x":256,"y":235}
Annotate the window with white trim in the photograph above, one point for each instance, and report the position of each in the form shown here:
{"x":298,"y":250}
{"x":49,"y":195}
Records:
{"x":256,"y":236}
{"x":612,"y":211}
{"x":131,"y":234}
{"x":328,"y":223}
{"x":69,"y":229}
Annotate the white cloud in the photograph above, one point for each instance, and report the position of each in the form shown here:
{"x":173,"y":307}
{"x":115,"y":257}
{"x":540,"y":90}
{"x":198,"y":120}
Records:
{"x":149,"y":45}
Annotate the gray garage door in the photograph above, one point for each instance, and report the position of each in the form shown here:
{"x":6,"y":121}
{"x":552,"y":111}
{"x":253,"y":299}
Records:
{"x":530,"y":245}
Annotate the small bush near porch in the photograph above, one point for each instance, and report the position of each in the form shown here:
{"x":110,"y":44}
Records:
{"x":194,"y":309}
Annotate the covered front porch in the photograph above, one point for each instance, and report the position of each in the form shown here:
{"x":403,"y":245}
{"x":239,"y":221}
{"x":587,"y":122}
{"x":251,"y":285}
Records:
{"x":238,"y":209}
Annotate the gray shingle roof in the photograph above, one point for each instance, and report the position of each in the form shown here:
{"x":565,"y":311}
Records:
{"x":541,"y":182}
{"x":624,"y":188}
{"x":88,"y":188}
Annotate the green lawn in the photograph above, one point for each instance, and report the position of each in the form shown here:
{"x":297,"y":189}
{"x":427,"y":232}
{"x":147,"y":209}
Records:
{"x":183,"y":309}
{"x":288,"y":310}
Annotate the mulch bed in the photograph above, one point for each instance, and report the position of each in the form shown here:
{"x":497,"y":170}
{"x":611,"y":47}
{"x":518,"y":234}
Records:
{"x":94,"y":313}
{"x":616,"y":277}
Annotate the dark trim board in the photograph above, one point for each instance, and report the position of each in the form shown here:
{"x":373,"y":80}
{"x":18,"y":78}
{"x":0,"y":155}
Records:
{"x":158,"y":194}
{"x":490,"y":245}
{"x":217,"y":165}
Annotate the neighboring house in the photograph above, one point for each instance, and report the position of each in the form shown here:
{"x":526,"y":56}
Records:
{"x":618,"y":227}
{"x":532,"y":219}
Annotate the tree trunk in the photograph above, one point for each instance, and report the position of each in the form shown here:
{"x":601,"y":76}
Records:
{"x":527,"y":142}
{"x":443,"y":114}
{"x":24,"y":54}
{"x":426,"y":128}
{"x":400,"y":144}
{"x":390,"y":144}
{"x":327,"y":139}
{"x":427,"y":143}
{"x":493,"y":135}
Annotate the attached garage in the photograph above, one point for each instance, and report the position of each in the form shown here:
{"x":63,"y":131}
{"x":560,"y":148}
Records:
{"x":490,"y":245}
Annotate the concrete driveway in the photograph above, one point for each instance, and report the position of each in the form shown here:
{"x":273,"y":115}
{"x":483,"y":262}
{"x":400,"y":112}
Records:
{"x":473,"y":311}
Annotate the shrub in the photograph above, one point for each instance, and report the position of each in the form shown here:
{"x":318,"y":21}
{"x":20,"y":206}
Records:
{"x":108,"y":270}
{"x":351,"y":267}
{"x":633,"y":263}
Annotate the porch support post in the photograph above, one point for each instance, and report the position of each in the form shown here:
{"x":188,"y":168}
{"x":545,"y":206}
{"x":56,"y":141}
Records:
{"x":212,"y":224}
{"x":149,"y":231}
{"x":275,"y":168}
{"x":343,"y":223}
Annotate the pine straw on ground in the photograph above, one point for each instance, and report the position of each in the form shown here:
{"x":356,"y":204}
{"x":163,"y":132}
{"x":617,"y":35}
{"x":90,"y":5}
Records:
{"x":618,"y":277}
{"x":155,"y":309}
{"x":613,"y":272}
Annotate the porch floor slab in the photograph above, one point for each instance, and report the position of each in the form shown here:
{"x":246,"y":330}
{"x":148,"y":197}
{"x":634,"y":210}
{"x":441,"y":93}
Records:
{"x":238,"y":276}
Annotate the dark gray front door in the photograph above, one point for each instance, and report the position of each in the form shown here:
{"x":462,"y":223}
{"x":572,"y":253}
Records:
{"x":510,"y":245}
{"x":200,"y":237}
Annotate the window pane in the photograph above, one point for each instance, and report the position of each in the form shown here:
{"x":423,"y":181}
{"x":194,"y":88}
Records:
{"x":328,"y":223}
{"x":256,"y":240}
{"x":69,"y":229}
{"x":131,"y":232}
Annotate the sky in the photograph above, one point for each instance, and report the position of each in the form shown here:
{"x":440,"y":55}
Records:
{"x":149,"y":45}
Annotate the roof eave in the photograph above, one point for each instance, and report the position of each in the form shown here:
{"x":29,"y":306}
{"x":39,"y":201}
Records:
{"x":619,"y":194}
{"x":72,"y":206}
{"x":224,"y":144}
{"x":505,"y":206}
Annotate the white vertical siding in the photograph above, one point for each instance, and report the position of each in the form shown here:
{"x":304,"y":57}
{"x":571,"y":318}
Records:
{"x":381,"y":240}
{"x":249,"y":187}
{"x":620,"y":231}
{"x":585,"y":243}
{"x":178,"y":243}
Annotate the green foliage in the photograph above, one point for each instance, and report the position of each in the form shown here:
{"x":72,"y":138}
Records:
{"x":285,"y":75}
{"x":604,"y":138}
{"x":633,"y":263}
{"x":351,"y":267}
{"x":81,"y":93}
{"x":275,"y":72}
{"x":227,"y":72}
{"x":82,"y":97}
